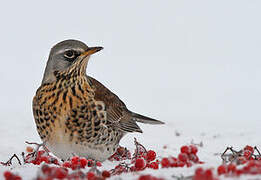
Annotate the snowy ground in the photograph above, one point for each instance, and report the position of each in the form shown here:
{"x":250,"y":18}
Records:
{"x":215,"y":136}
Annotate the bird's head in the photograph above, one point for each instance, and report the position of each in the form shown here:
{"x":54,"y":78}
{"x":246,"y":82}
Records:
{"x":67,"y":57}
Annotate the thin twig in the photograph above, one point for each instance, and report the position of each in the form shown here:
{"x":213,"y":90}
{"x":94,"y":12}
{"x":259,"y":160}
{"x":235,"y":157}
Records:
{"x":9,"y":162}
{"x":137,"y":148}
{"x":257,"y":151}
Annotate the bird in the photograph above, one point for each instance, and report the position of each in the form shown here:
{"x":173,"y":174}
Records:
{"x":75,"y":114}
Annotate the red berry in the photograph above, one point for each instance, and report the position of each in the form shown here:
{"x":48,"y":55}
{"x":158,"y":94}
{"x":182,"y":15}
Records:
{"x":60,"y":173}
{"x":189,"y":164}
{"x":54,"y":161}
{"x":44,"y":159}
{"x":208,"y":174}
{"x":239,"y":172}
{"x":98,"y":163}
{"x":75,"y":160}
{"x":74,"y":166}
{"x":66,"y":164}
{"x":193,"y":149}
{"x":154,"y":165}
{"x":46,"y":169}
{"x":193,"y":157}
{"x":165,"y":162}
{"x":106,"y":174}
{"x":185,"y":149}
{"x":181,"y":164}
{"x":83,"y":162}
{"x":90,"y":175}
{"x":231,"y":167}
{"x":145,"y":177}
{"x":139,"y":163}
{"x":8,"y":174}
{"x":249,"y":148}
{"x":40,"y":153}
{"x":247,"y":154}
{"x":36,"y":162}
{"x":183,"y":157}
{"x":16,"y":178}
{"x":199,"y":171}
{"x":151,"y":155}
{"x":222,"y":169}
{"x":132,"y":168}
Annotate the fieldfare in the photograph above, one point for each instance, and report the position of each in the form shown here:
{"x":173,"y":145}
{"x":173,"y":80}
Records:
{"x":74,"y":113}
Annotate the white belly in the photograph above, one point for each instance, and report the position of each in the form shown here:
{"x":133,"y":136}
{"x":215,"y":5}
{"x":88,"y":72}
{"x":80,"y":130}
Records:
{"x":66,"y":151}
{"x":62,"y":147}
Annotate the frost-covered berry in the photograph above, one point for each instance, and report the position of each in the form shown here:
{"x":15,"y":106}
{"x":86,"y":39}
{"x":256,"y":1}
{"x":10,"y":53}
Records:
{"x":231,"y":167}
{"x":151,"y":155}
{"x":185,"y":149}
{"x":193,"y":149}
{"x":90,"y":175}
{"x":83,"y":162}
{"x":106,"y":174}
{"x":154,"y":165}
{"x":249,"y":148}
{"x":183,"y":157}
{"x":75,"y":160}
{"x":222,"y":169}
{"x":139,"y":163}
{"x":98,"y":163}
{"x":165,"y":162}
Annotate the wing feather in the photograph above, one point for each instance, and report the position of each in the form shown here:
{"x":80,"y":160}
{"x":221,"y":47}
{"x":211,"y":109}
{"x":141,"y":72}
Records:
{"x":117,"y":113}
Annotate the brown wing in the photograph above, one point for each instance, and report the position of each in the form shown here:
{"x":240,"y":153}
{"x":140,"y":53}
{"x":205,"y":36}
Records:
{"x":117,"y":113}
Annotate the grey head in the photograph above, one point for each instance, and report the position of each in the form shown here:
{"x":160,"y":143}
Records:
{"x":63,"y":55}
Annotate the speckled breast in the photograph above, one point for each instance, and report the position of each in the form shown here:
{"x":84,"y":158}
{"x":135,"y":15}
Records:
{"x":71,"y":122}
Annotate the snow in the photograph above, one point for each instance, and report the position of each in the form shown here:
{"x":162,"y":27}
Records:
{"x":194,"y":65}
{"x":214,"y":136}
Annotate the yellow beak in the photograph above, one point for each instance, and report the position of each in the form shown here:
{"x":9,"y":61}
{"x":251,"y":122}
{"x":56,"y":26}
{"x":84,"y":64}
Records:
{"x":91,"y":50}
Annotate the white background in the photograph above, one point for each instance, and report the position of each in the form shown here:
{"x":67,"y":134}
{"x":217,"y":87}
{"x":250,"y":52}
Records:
{"x":192,"y":64}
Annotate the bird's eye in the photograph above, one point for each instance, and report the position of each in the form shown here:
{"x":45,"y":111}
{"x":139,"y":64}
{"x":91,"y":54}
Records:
{"x":70,"y":54}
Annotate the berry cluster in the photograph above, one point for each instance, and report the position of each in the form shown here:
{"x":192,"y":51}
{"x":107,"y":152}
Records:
{"x":77,"y":163}
{"x":186,"y":157}
{"x":75,"y":168}
{"x":37,"y":157}
{"x":143,"y":159}
{"x":140,"y":160}
{"x":48,"y":172}
{"x":120,"y":154}
{"x":242,"y":156}
{"x":201,"y":174}
{"x":249,"y":161}
{"x":10,"y":176}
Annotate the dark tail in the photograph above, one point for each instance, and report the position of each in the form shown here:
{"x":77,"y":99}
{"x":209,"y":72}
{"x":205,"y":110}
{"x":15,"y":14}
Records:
{"x":144,"y":119}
